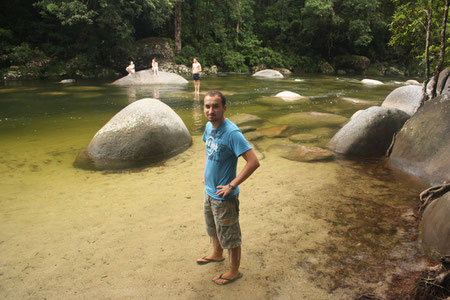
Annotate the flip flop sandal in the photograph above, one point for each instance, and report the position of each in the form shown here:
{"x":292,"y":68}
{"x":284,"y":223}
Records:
{"x":208,"y":260}
{"x":228,"y":281}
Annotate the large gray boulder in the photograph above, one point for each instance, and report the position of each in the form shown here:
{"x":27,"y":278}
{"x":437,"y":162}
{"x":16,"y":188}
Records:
{"x":422,"y":146}
{"x":268,"y":73}
{"x":369,"y":133}
{"x":145,"y":131}
{"x":146,"y":77}
{"x":435,"y":227}
{"x":406,"y":98}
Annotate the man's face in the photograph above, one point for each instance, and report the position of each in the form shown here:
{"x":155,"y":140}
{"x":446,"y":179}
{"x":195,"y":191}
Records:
{"x":214,"y":109}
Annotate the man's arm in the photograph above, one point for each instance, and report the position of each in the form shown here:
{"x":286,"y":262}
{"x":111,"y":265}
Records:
{"x":250,"y":167}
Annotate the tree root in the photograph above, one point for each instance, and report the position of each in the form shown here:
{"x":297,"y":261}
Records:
{"x":389,"y":150}
{"x":430,"y":194}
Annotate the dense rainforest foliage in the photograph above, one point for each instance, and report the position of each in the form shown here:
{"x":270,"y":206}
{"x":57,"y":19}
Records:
{"x":235,"y":35}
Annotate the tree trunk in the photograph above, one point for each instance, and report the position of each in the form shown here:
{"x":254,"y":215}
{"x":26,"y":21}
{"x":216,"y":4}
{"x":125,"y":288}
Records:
{"x":442,"y":53}
{"x":427,"y":60}
{"x":177,"y":18}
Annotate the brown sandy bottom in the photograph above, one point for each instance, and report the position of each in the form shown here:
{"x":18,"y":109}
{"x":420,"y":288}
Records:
{"x":329,"y":230}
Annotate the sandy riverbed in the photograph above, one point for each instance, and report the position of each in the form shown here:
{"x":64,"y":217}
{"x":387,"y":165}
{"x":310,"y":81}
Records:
{"x":311,"y":231}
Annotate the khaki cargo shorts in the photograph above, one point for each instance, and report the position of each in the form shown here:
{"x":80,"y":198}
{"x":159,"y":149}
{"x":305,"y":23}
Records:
{"x":222,"y":220}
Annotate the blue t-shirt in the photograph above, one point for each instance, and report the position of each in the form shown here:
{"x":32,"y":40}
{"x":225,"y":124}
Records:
{"x":224,"y":145}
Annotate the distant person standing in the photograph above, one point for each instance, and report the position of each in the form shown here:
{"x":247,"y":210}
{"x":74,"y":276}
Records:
{"x":196,"y":69}
{"x":155,"y":66}
{"x":131,"y":68}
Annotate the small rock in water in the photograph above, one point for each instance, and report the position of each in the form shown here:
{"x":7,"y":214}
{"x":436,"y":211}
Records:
{"x":289,"y":96}
{"x":412,"y":82}
{"x":67,"y":81}
{"x":371,"y":82}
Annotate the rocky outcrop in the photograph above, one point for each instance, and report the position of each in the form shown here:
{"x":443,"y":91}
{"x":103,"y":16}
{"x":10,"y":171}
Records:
{"x":268,"y":73}
{"x":406,"y":98}
{"x":422,"y":146}
{"x":435,"y":227}
{"x":145,"y":131}
{"x":146,"y":77}
{"x":369,"y":133}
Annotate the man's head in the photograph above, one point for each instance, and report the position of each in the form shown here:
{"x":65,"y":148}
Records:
{"x":195,"y":59}
{"x":214,"y":107}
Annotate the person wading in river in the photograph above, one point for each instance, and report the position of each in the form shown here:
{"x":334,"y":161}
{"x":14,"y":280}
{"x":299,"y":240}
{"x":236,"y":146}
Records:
{"x":224,"y":144}
{"x":196,"y":69}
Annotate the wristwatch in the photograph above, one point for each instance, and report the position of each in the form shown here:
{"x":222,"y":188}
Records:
{"x":231,"y":187}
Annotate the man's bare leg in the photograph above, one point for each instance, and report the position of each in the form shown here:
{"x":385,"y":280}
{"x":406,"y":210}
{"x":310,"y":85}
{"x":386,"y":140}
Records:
{"x":235,"y":262}
{"x":197,"y":86}
{"x":217,"y":251}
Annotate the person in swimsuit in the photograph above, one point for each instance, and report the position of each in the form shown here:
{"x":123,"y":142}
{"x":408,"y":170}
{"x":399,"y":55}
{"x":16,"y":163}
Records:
{"x":131,"y":68}
{"x":155,"y":66}
{"x":196,"y":69}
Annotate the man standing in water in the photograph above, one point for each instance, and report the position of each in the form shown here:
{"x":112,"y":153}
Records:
{"x":196,"y":69}
{"x":224,"y":144}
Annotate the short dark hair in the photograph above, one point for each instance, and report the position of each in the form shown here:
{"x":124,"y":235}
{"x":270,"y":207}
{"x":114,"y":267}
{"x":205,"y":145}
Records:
{"x":217,"y":93}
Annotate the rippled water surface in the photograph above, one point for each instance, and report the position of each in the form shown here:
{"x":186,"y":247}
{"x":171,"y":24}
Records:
{"x":340,"y":225}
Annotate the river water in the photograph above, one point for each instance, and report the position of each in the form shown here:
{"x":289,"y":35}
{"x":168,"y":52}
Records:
{"x":323,"y":230}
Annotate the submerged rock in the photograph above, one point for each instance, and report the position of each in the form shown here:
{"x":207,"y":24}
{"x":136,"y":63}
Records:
{"x":406,"y":98}
{"x":245,"y":119}
{"x":300,"y":153}
{"x":369,"y":133}
{"x":253,"y":136}
{"x":274,"y":131}
{"x":422,"y":146}
{"x":435,"y":227}
{"x":145,"y":131}
{"x":304,"y":138}
{"x":146,"y":77}
{"x":268,"y":73}
{"x":310,"y":119}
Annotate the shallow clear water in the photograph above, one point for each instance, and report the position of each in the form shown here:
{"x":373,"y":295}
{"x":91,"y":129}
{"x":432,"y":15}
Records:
{"x":343,"y":219}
